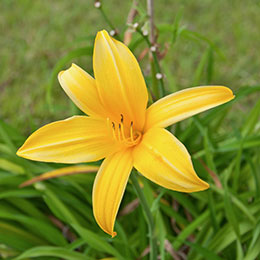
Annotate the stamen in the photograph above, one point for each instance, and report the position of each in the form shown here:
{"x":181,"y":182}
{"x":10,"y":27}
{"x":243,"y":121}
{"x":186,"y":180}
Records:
{"x":114,"y":131}
{"x":128,"y":138}
{"x":119,"y":133}
{"x":131,"y":132}
{"x":121,"y":128}
{"x":108,"y":121}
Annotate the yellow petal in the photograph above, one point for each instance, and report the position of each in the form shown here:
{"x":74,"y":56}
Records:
{"x":61,"y":172}
{"x":186,"y":103}
{"x":76,"y":139}
{"x":119,"y":80}
{"x":109,"y":187}
{"x":81,"y":88}
{"x":163,"y":159}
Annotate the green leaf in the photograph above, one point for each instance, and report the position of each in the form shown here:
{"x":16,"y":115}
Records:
{"x":10,"y":166}
{"x":227,"y":236}
{"x":230,"y":213}
{"x":239,"y":204}
{"x":5,"y":137}
{"x":161,"y":233}
{"x":95,"y":241}
{"x":189,"y":229}
{"x":203,"y":251}
{"x":210,"y":66}
{"x":27,"y":207}
{"x":185,"y":201}
{"x":17,"y":238}
{"x":251,"y":120}
{"x":52,"y":251}
{"x":56,"y":205}
{"x":200,"y":68}
{"x":22,"y":193}
{"x":200,"y":38}
{"x":42,"y":228}
{"x":175,"y":28}
{"x":253,"y":252}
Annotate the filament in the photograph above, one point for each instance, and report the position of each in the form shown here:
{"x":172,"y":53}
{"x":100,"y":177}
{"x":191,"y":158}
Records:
{"x":114,"y":130}
{"x":131,"y":132}
{"x":124,"y":135}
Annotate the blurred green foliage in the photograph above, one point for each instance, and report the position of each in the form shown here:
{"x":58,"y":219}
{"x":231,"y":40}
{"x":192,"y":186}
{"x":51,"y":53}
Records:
{"x":36,"y":34}
{"x":210,"y":42}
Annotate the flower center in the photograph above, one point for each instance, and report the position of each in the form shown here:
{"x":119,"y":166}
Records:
{"x":124,"y":133}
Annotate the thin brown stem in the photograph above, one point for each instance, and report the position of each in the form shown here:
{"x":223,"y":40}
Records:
{"x":150,"y":11}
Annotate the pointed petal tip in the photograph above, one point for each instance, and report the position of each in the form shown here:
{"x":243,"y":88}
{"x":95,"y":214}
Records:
{"x":20,"y":152}
{"x":113,"y":234}
{"x":60,"y":75}
{"x":72,"y":66}
{"x":109,"y":187}
{"x":202,"y":185}
{"x":229,"y":92}
{"x":24,"y":184}
{"x":110,"y":232}
{"x":103,"y":32}
{"x":103,"y":35}
{"x":75,"y":66}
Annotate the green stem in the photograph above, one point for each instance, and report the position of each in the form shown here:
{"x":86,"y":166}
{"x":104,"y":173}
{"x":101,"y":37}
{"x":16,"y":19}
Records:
{"x":156,"y":62}
{"x":148,"y":215}
{"x":112,"y":27}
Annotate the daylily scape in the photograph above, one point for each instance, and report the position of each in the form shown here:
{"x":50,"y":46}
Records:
{"x":120,"y":128}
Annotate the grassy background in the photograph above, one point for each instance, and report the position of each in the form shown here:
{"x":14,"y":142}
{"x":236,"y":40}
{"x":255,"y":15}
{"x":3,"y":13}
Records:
{"x":36,"y":34}
{"x":217,"y":43}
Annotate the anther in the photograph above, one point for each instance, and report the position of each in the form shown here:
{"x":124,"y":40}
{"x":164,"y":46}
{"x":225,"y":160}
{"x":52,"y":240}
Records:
{"x":122,"y":118}
{"x":113,"y":125}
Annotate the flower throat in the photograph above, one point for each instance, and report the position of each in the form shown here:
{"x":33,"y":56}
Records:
{"x":124,"y":134}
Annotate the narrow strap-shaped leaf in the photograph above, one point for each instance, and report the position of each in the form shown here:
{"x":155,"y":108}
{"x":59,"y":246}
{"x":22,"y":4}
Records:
{"x":52,"y":251}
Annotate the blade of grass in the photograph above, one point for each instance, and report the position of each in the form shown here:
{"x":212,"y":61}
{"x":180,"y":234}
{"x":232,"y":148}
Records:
{"x":52,"y":251}
{"x":95,"y":241}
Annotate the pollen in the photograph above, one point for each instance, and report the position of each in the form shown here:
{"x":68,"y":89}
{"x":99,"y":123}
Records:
{"x":124,"y":133}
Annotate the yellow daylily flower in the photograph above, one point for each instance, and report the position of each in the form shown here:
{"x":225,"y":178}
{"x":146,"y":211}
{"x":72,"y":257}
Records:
{"x":120,"y":128}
